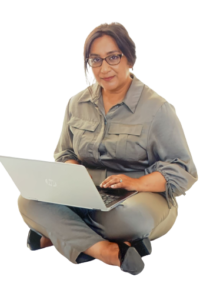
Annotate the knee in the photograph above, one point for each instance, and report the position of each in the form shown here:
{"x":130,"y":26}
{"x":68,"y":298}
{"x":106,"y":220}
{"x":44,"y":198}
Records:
{"x":165,"y":225}
{"x":21,"y":201}
{"x":25,"y":206}
{"x":139,"y":220}
{"x":126,"y":222}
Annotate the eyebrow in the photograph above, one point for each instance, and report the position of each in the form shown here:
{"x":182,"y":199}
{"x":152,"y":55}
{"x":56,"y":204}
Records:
{"x":93,"y":54}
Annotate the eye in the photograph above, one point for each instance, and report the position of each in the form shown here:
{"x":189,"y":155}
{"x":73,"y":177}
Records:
{"x":96,"y":59}
{"x":114,"y":57}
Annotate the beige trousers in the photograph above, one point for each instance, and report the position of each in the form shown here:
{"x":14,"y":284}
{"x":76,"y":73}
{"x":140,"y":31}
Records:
{"x":73,"y":230}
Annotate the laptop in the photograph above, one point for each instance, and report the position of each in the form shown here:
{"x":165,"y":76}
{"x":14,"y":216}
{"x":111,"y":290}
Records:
{"x":61,"y":183}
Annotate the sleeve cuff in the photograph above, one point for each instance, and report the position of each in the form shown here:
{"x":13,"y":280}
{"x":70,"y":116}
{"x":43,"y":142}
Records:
{"x":169,"y":193}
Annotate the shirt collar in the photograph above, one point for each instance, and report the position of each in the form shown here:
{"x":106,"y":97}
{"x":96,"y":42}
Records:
{"x":131,"y":98}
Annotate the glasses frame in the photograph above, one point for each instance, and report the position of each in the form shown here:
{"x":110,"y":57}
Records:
{"x":102,"y":59}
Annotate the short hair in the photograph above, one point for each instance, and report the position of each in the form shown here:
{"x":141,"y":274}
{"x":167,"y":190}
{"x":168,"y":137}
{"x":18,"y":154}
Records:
{"x":118,"y":32}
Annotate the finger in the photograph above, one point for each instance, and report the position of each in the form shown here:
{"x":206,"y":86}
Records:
{"x":117,"y":185}
{"x":110,"y":182}
{"x":105,"y":184}
{"x":106,"y":181}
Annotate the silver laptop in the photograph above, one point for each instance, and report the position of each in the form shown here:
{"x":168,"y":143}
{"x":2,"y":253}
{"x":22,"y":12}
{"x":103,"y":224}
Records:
{"x":61,"y":183}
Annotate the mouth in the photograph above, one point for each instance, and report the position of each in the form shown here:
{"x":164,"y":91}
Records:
{"x":108,"y":78}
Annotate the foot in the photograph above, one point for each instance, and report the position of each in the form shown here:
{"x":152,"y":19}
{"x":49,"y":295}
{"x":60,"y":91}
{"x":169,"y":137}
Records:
{"x":110,"y":254}
{"x":45,"y":242}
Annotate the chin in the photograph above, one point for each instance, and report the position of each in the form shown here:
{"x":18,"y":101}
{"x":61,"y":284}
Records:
{"x":107,"y":84}
{"x":110,"y":86}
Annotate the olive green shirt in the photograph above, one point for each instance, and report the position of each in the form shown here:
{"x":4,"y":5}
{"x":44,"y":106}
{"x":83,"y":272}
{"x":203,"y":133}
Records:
{"x":138,"y":136}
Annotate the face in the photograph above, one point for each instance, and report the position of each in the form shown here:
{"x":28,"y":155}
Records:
{"x":102,"y":47}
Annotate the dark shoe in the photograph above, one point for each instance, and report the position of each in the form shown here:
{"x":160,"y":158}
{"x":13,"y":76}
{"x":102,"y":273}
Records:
{"x":33,"y":240}
{"x":143,"y":246}
{"x":84,"y":258}
{"x":33,"y":244}
{"x":130,"y":259}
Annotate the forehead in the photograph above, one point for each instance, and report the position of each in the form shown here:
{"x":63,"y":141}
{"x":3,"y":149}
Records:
{"x":103,"y":45}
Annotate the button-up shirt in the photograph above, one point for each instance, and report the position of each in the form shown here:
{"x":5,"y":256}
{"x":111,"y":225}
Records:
{"x":139,"y":135}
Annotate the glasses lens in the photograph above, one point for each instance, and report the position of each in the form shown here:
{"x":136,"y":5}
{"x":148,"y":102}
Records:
{"x":113,"y":59}
{"x":94,"y":62}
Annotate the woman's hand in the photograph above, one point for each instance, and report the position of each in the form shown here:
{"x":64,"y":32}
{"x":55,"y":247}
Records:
{"x":128,"y":183}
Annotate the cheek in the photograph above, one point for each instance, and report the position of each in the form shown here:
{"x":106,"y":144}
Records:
{"x":95,"y":73}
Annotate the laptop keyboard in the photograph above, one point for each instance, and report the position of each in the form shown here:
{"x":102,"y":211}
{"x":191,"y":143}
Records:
{"x":109,"y":196}
{"x":109,"y":199}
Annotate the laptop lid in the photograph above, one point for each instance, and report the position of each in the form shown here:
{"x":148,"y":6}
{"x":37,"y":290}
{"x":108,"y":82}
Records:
{"x":54,"y":182}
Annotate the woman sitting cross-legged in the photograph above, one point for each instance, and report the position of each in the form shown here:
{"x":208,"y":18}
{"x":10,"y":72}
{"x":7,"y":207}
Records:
{"x":128,"y":137}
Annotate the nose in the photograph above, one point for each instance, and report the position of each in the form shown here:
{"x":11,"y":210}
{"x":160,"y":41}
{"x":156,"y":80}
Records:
{"x":105,"y":67}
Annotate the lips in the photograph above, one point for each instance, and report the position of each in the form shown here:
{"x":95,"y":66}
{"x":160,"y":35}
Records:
{"x":108,"y":77}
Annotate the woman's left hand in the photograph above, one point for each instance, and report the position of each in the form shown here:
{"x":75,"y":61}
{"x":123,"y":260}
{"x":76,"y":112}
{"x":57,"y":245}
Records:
{"x":128,"y":183}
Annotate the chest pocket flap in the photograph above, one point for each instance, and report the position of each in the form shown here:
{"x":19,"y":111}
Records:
{"x":125,"y":129}
{"x":83,"y":124}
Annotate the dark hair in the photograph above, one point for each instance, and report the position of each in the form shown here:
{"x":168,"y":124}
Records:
{"x":118,"y":32}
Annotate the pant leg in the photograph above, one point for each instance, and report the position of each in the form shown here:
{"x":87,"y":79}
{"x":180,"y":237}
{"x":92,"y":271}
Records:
{"x":146,"y":214}
{"x":65,"y":228}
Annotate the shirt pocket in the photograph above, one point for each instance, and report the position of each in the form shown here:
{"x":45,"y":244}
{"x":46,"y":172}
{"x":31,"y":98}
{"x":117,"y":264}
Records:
{"x":84,"y":135}
{"x":127,"y":141}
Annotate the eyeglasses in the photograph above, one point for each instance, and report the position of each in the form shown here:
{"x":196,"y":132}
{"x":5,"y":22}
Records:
{"x":111,"y":60}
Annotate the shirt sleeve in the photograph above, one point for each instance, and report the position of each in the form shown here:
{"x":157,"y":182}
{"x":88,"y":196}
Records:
{"x":169,"y":154}
{"x":64,"y":150}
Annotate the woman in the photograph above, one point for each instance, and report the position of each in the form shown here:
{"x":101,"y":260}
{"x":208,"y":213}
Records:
{"x":127,"y":136}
